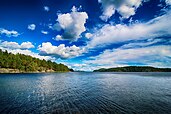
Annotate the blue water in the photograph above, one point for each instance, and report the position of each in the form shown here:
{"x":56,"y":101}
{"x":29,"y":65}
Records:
{"x":86,"y":93}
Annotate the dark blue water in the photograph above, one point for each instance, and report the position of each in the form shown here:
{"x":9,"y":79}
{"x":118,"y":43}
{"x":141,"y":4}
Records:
{"x":86,"y":93}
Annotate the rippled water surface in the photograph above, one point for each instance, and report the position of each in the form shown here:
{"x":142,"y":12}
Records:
{"x":86,"y":93}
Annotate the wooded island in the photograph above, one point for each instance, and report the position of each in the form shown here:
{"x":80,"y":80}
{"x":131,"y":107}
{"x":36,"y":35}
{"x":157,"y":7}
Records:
{"x":134,"y":69}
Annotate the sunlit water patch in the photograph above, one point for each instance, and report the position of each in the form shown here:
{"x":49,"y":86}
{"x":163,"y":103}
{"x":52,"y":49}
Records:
{"x":86,"y":93}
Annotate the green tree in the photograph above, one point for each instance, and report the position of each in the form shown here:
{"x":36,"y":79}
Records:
{"x":28,"y":63}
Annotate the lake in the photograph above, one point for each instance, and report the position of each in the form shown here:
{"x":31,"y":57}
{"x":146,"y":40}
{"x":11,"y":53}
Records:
{"x":86,"y":93}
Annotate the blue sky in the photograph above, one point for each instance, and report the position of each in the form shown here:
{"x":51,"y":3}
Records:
{"x":89,"y":34}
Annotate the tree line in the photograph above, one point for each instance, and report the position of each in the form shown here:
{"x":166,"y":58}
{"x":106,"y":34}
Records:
{"x":29,"y":64}
{"x":134,"y":69}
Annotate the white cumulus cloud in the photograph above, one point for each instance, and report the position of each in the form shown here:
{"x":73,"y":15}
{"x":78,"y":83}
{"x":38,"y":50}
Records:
{"x":44,"y":32}
{"x":88,"y":35}
{"x":58,"y":37}
{"x":15,"y":45}
{"x":168,"y":2}
{"x":72,"y":23}
{"x":60,"y":51}
{"x":26,"y":45}
{"x":46,"y":8}
{"x":32,"y":27}
{"x":22,"y":48}
{"x":9,"y":33}
{"x":125,"y":8}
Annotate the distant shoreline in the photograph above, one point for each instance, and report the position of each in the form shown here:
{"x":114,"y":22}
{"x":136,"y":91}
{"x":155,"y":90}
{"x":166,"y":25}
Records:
{"x":134,"y":69}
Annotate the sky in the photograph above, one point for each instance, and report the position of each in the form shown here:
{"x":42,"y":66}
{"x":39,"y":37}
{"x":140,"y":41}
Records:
{"x":89,"y":34}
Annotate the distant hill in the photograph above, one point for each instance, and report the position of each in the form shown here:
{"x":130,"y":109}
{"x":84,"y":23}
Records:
{"x":16,"y":63}
{"x":134,"y":69}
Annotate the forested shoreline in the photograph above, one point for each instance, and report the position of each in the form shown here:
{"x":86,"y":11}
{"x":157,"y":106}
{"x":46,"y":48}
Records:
{"x":134,"y":69}
{"x":17,"y":63}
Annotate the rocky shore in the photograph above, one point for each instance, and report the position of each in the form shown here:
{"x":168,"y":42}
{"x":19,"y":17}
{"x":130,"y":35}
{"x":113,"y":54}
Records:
{"x":8,"y":70}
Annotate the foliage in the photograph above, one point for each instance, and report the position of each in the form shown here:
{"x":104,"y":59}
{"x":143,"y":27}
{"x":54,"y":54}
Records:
{"x":27,"y":63}
{"x":134,"y":69}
